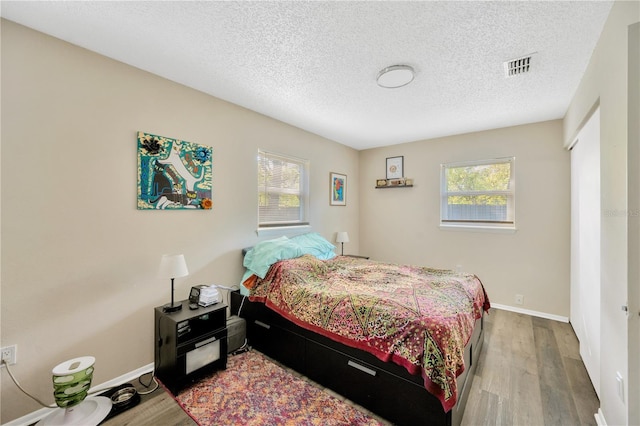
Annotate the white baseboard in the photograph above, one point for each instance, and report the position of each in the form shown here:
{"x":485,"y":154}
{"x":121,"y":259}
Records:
{"x":35,"y":416}
{"x":532,"y":313}
{"x":600,"y":418}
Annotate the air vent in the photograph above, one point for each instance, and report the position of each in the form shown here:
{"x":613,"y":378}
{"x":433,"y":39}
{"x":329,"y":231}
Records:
{"x":518,"y":66}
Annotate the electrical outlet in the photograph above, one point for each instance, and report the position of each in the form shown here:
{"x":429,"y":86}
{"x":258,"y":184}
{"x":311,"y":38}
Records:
{"x":519,"y":299}
{"x":9,"y":354}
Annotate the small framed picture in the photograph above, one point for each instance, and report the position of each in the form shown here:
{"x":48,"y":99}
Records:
{"x":338,"y":189}
{"x":395,"y":167}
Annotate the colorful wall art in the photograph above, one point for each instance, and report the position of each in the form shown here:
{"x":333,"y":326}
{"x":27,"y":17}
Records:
{"x":338,"y":189}
{"x":173,"y":174}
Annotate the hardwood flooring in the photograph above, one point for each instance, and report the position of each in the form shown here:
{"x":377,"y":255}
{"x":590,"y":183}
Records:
{"x":529,"y":373}
{"x":158,"y":408}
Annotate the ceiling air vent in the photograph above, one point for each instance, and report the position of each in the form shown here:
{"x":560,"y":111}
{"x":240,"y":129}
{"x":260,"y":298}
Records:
{"x":518,"y":66}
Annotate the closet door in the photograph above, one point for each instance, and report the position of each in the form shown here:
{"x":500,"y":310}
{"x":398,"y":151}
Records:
{"x":585,"y":245}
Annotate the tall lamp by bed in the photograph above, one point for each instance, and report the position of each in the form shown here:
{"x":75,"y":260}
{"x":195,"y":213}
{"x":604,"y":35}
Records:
{"x":172,"y":266}
{"x":342,"y":238}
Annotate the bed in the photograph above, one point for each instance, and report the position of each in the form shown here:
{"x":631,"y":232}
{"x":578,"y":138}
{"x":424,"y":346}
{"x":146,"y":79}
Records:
{"x":400,"y":340}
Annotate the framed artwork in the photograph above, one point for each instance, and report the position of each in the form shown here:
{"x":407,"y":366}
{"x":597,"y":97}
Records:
{"x":173,"y":174}
{"x":395,"y":167}
{"x":338,"y":189}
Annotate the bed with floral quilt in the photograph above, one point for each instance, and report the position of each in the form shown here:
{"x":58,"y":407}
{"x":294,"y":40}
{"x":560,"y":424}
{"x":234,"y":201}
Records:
{"x":397,"y":339}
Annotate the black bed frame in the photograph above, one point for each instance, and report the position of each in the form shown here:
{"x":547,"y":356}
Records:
{"x":384,"y":388}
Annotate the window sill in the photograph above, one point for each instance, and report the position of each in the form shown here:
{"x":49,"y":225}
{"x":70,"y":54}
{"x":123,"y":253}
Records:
{"x":479,"y":228}
{"x":273,"y":231}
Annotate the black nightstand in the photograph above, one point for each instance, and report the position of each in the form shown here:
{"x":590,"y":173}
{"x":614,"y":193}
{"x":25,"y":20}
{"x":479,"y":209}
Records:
{"x":355,"y":255}
{"x":189,"y":343}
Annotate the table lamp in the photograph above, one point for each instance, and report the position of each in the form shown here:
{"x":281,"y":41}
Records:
{"x":172,"y":266}
{"x":342,"y":238}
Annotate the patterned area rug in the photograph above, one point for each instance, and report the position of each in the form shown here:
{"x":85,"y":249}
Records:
{"x":254,"y":390}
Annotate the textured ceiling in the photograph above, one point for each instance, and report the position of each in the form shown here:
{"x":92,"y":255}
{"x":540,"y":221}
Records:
{"x":314,"y":64}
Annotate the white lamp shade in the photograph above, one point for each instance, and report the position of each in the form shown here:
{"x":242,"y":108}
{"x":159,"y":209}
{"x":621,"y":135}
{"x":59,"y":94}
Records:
{"x":342,"y":237}
{"x":173,"y":266}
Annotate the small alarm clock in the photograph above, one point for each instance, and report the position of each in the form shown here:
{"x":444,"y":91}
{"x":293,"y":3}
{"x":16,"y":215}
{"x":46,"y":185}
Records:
{"x":194,"y":294}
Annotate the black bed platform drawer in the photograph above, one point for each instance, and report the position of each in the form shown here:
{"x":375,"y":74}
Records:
{"x":276,"y":342}
{"x":369,"y":386}
{"x":260,"y":310}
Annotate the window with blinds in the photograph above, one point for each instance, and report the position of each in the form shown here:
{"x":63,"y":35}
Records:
{"x":283,"y":190}
{"x":480,"y":193}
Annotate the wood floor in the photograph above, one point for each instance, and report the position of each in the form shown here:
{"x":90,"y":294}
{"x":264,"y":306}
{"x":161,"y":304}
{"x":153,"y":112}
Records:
{"x":158,"y":408}
{"x":529,"y":373}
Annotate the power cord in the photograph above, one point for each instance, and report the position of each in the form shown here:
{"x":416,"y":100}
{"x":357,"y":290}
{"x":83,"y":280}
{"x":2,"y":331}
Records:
{"x":22,"y":389}
{"x":153,"y":380}
{"x":241,"y":304}
{"x":97,"y":391}
{"x":156,"y":385}
{"x":15,"y":381}
{"x":242,"y":349}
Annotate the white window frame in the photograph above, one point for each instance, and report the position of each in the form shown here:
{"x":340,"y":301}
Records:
{"x":303,"y":193}
{"x":509,"y":225}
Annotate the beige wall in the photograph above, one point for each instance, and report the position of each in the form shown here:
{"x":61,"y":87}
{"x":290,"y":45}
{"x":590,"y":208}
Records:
{"x":71,"y":233}
{"x":606,"y":82}
{"x":78,"y":260}
{"x":402,"y":224}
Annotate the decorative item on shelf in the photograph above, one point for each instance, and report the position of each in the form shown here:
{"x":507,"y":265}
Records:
{"x":173,"y":266}
{"x":394,"y":183}
{"x":71,"y":383}
{"x":342,"y":237}
{"x":338,"y":189}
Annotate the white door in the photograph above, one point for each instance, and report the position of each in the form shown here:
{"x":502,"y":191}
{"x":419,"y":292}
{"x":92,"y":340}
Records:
{"x":585,"y":245}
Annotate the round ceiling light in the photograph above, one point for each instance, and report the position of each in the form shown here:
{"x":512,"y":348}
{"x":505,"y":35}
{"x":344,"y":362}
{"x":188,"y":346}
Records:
{"x":395,"y":76}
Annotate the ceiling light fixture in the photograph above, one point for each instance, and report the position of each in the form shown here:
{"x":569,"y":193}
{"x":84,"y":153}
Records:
{"x":395,"y":76}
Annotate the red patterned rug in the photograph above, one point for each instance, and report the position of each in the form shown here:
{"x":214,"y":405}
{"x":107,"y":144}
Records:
{"x":254,"y":390}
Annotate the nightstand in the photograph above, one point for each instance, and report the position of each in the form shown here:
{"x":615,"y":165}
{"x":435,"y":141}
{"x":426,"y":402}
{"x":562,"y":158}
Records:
{"x":189,"y":343}
{"x":355,"y":255}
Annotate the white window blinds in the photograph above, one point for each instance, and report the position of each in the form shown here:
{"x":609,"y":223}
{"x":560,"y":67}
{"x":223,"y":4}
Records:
{"x":283,"y":190}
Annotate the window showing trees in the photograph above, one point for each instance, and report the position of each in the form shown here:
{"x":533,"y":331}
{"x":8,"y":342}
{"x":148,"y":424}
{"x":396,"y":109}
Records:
{"x":480,"y":192}
{"x":283,"y":190}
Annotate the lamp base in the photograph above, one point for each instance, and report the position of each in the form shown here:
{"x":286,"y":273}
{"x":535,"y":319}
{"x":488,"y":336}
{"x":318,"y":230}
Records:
{"x":169,"y":307}
{"x":91,"y":411}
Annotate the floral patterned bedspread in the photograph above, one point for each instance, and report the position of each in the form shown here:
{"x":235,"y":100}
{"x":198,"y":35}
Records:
{"x":417,"y":317}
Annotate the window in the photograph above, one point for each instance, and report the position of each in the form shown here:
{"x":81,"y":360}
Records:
{"x":283,"y":190}
{"x":478,"y":194}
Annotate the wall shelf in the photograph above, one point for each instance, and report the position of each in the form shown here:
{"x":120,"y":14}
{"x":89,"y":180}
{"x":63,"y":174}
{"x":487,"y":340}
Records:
{"x":394,"y":183}
{"x":394,"y":186}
